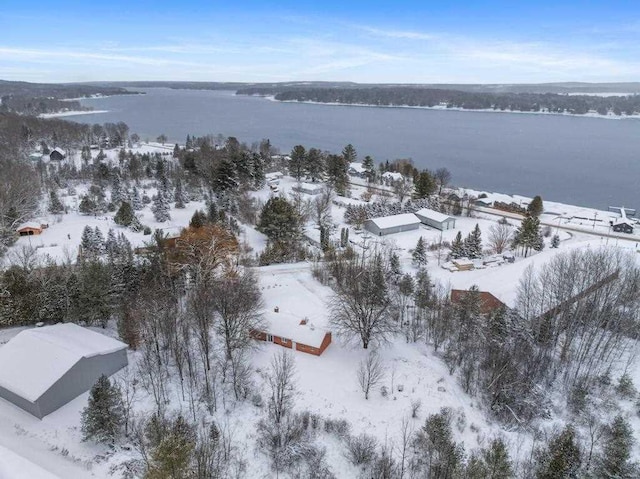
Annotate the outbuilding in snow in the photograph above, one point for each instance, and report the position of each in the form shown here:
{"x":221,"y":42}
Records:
{"x":387,"y":225}
{"x":308,"y":188}
{"x":435,"y":219}
{"x":29,"y":229}
{"x":43,"y":369}
{"x":57,"y":154}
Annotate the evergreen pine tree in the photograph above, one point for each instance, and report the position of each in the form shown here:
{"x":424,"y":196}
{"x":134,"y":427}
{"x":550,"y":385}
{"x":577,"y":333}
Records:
{"x":160,"y":208}
{"x":473,"y":244}
{"x":111,"y":245}
{"x":125,"y":215}
{"x":424,"y":185}
{"x":116,"y":190}
{"x":89,"y":243}
{"x":198,"y":219}
{"x":171,"y":457}
{"x":395,"y":269}
{"x":555,"y":241}
{"x":179,"y":195}
{"x":615,"y":459}
{"x":337,"y":174}
{"x":419,"y":254}
{"x":324,"y":238}
{"x":103,"y":418}
{"x":528,"y":235}
{"x":561,"y":457}
{"x":496,"y":460}
{"x":98,"y":239}
{"x":457,"y":247}
{"x":314,"y":164}
{"x":136,"y":200}
{"x":87,"y":206}
{"x":297,"y":162}
{"x":224,"y":177}
{"x":55,"y":205}
{"x":536,"y":207}
{"x":369,"y":167}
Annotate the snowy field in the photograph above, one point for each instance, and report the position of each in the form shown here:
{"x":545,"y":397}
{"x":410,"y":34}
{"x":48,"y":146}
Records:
{"x":52,"y":447}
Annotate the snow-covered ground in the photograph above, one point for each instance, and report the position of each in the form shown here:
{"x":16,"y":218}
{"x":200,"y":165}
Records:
{"x":326,"y":385}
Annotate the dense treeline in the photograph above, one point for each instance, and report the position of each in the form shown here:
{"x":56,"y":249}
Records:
{"x":431,"y":97}
{"x":36,"y":98}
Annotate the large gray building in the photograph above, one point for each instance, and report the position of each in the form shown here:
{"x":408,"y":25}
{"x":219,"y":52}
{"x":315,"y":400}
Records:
{"x":387,"y":225}
{"x":43,"y":369}
{"x":435,"y":219}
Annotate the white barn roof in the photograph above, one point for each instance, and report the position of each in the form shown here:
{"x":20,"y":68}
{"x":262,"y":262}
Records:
{"x":393,"y":221}
{"x":35,"y":359}
{"x":433,"y":215}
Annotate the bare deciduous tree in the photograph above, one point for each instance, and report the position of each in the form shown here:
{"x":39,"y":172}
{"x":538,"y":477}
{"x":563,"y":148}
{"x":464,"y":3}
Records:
{"x":442,"y":177}
{"x":282,"y":384}
{"x":500,"y":236}
{"x":237,"y":302}
{"x":360,"y":305}
{"x":370,"y":372}
{"x":402,"y":189}
{"x":322,"y":207}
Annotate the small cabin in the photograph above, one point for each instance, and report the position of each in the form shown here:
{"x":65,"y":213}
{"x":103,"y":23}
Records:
{"x":622,"y":227}
{"x":30,"y":229}
{"x":57,"y":154}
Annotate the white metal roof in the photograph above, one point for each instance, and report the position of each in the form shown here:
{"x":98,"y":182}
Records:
{"x":433,"y":215}
{"x":404,"y":219}
{"x":35,"y":359}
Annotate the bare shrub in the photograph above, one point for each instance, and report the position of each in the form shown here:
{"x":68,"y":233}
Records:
{"x":361,"y":450}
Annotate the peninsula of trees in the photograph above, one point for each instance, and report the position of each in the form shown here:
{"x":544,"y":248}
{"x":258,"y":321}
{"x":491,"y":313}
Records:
{"x":415,"y":96}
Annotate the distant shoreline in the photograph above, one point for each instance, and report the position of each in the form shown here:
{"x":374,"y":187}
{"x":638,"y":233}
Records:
{"x":71,"y":113}
{"x":444,"y":108}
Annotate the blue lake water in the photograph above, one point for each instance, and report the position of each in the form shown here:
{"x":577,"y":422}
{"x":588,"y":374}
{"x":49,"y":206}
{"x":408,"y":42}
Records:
{"x":578,"y":160}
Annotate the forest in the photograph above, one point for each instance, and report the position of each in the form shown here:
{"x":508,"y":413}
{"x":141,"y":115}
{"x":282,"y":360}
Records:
{"x":37,"y":98}
{"x":467,"y":100}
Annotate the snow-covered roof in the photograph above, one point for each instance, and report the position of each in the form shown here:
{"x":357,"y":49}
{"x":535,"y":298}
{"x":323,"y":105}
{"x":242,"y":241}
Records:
{"x":463,"y":262}
{"x":275,"y":174}
{"x":395,"y":220}
{"x":60,"y":150}
{"x":392,"y":175}
{"x":35,"y":359}
{"x":433,"y":215}
{"x":29,"y":224}
{"x":309,"y":186}
{"x":14,"y":465}
{"x":287,"y":325}
{"x":357,"y":167}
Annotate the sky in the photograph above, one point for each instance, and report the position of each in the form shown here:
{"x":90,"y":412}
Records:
{"x":400,"y":41}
